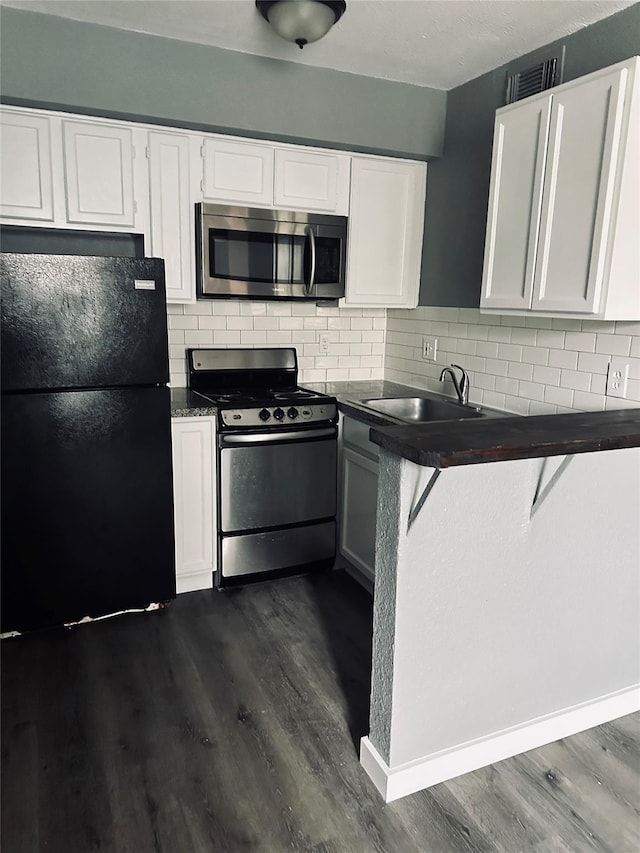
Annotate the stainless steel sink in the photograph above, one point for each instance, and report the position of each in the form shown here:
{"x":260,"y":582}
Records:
{"x":421,"y":409}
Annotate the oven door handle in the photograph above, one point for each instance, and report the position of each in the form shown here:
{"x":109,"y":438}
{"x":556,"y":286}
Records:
{"x":309,"y":285}
{"x":227,"y":440}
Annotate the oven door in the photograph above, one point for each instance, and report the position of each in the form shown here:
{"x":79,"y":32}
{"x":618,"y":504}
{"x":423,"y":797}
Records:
{"x":277,"y":500}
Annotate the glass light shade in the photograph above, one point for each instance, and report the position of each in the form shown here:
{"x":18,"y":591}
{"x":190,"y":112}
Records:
{"x":301,"y":21}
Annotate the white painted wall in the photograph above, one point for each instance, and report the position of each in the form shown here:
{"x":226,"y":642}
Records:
{"x":500,"y":618}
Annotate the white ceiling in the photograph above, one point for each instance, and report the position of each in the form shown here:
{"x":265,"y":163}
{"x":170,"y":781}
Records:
{"x":437,"y":43}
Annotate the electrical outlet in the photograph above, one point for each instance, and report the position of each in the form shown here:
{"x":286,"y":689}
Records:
{"x":617,"y":377}
{"x":429,"y":348}
{"x":324,"y":342}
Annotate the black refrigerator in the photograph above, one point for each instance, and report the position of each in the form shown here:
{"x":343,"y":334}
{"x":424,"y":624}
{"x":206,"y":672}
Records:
{"x":86,"y":477}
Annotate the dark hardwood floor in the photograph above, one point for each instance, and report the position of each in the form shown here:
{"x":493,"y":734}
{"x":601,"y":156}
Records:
{"x":230,"y":722}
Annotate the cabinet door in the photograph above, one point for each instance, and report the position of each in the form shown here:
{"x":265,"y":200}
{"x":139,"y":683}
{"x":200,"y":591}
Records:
{"x":170,"y":208}
{"x":194,"y":501}
{"x":359,"y":508}
{"x":98,"y":161}
{"x":311,"y":181}
{"x":386,"y":224}
{"x":237,"y":172}
{"x":584,"y":142}
{"x":515,"y":198}
{"x":26,"y":177}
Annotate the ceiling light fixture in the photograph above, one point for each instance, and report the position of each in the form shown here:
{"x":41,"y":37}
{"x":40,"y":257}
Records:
{"x":301,"y":21}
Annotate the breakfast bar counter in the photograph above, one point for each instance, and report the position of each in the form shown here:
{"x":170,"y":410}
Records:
{"x":507,"y":593}
{"x":446,"y":444}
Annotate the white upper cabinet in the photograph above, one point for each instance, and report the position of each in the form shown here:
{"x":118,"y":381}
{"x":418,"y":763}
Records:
{"x":386,"y":225}
{"x":171,"y":220}
{"x":237,"y":172}
{"x":26,"y":176}
{"x":61,"y":170}
{"x":98,"y":161}
{"x":564,"y":204}
{"x":311,"y":181}
{"x":264,"y":175}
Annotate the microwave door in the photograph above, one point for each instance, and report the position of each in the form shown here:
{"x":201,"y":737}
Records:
{"x":254,"y":258}
{"x":330,"y":261}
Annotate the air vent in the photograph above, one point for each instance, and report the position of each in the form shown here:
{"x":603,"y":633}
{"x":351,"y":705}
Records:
{"x":524,"y":83}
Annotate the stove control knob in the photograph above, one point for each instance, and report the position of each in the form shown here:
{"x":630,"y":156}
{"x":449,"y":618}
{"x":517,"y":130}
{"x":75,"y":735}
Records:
{"x":264,"y":415}
{"x":278,"y":414}
{"x":292,"y":413}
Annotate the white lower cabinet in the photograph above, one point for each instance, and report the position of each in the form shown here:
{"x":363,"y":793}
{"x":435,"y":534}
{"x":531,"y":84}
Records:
{"x":194,"y":485}
{"x":359,"y":497}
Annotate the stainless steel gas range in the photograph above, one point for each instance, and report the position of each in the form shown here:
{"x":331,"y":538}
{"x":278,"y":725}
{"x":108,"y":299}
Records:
{"x":277,"y":463}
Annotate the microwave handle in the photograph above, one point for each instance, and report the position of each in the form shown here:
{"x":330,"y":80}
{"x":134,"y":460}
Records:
{"x":308,"y":286}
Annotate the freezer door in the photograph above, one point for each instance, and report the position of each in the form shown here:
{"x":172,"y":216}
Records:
{"x":87,"y":505}
{"x":82,"y":322}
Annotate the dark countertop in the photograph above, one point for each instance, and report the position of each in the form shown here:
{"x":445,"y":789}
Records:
{"x":189,"y":404}
{"x":351,"y":394}
{"x":444,"y":445}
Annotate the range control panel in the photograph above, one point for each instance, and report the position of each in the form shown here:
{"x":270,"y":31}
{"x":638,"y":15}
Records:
{"x":283,"y":415}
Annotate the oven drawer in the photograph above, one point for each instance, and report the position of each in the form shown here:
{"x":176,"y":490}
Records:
{"x":278,"y":550}
{"x":272,"y":485}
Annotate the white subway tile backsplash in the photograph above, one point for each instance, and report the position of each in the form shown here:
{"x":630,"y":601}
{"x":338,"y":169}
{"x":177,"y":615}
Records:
{"x":558,"y":396}
{"x":179,"y":321}
{"x":536,"y":407}
{"x":613,"y":344}
{"x":510,"y":352}
{"x":576,"y":380}
{"x":566,"y":324}
{"x":551,"y":338}
{"x":546,"y":375}
{"x":299,"y":323}
{"x":527,"y":337}
{"x":581,"y":341}
{"x":241,"y":323}
{"x":537,"y":322}
{"x":598,"y":384}
{"x":525,"y":365}
{"x":516,"y":370}
{"x":563,"y":358}
{"x":506,"y":386}
{"x":589,"y":362}
{"x":547,"y":364}
{"x":589,"y":402}
{"x":531,"y":390}
{"x":499,"y":333}
{"x":535,"y":355}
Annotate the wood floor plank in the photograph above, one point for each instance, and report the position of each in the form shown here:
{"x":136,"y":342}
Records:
{"x":230,"y":722}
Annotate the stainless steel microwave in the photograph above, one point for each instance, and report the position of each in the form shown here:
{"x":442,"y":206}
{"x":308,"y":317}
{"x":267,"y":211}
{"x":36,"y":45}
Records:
{"x":269,"y":254}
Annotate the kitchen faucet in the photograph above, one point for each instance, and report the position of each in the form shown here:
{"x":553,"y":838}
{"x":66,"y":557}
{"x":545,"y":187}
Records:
{"x":462,"y":387}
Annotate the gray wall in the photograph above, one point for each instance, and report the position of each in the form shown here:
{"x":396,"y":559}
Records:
{"x":458,"y":184}
{"x":56,"y":63}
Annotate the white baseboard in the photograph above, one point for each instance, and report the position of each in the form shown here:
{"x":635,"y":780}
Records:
{"x":422,"y":773}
